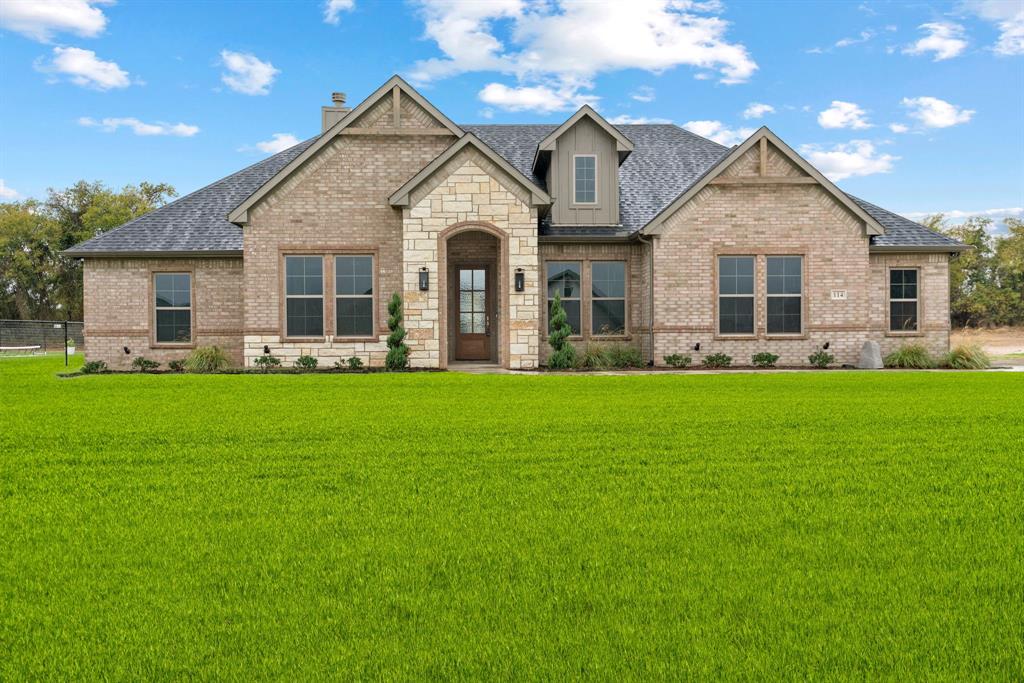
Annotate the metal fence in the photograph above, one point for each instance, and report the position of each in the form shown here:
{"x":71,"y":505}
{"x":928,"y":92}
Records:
{"x":46,"y":334}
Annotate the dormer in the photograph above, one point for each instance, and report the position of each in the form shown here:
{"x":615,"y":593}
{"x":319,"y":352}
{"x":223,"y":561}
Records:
{"x":580,"y":163}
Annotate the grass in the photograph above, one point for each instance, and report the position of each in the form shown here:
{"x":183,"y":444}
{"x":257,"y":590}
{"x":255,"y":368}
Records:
{"x":445,"y":526}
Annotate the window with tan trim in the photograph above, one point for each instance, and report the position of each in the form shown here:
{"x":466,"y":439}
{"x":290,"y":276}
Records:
{"x":564,"y":279}
{"x":584,"y":179}
{"x":173,"y":295}
{"x":608,"y":298}
{"x":903,"y":299}
{"x":353,"y":292}
{"x":304,"y":296}
{"x":784,"y":294}
{"x":736,"y":295}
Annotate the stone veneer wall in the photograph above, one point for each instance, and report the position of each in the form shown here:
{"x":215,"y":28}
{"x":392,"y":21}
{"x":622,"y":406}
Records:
{"x":338,"y":201}
{"x":119,"y":307}
{"x":469,"y":190}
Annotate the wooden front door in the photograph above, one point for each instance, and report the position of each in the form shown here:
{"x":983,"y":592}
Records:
{"x":473,"y":322}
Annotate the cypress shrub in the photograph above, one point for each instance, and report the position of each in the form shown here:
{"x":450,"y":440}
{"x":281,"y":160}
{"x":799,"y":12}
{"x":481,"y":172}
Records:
{"x":564,"y":355}
{"x":398,"y":352}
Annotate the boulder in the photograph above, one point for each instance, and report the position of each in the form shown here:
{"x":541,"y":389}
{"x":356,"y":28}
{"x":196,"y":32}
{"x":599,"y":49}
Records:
{"x":870,"y":356}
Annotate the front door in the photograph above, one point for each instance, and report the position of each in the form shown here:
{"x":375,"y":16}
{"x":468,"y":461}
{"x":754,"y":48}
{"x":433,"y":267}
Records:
{"x":473,"y":334}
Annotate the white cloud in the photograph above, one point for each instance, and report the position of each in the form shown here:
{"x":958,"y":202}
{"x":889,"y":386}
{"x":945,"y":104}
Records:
{"x":756,"y":110}
{"x":843,"y":115}
{"x":957,"y":214}
{"x":84,"y":68}
{"x":539,"y":98}
{"x":334,"y":8}
{"x":1008,"y":15}
{"x":719,"y":132}
{"x":247,"y":74}
{"x":41,"y":19}
{"x":644,"y":93}
{"x":486,"y":113}
{"x":846,"y":160}
{"x":864,"y":37}
{"x":944,"y":40}
{"x":8,"y":193}
{"x":110,"y":125}
{"x":626,"y":119}
{"x":563,"y":45}
{"x":935,"y":113}
{"x":898,"y":128}
{"x":278,"y":142}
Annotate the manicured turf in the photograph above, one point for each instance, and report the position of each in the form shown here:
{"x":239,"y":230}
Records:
{"x":855,"y":525}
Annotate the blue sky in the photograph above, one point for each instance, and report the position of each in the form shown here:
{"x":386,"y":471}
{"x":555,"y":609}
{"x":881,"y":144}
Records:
{"x":916,"y":106}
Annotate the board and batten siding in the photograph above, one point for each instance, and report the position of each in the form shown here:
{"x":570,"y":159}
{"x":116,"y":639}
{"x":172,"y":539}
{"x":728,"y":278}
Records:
{"x":585,"y":137}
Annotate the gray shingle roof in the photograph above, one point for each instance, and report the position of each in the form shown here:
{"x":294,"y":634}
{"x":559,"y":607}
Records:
{"x":665,"y":162}
{"x":196,"y":222}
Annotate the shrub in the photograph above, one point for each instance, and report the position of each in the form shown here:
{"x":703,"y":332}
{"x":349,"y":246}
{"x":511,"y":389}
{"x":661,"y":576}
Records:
{"x":676,"y":360}
{"x":398,"y":352}
{"x":967,"y":357}
{"x":353,"y":363}
{"x":207,"y":359}
{"x":176,"y":365}
{"x":92,"y":367}
{"x":564,"y":355}
{"x":821,"y":359}
{"x":144,"y":364}
{"x":622,"y":356}
{"x":305,"y":362}
{"x":592,"y":357}
{"x":266,"y":361}
{"x":764,"y":359}
{"x":717,"y":360}
{"x":910,"y":356}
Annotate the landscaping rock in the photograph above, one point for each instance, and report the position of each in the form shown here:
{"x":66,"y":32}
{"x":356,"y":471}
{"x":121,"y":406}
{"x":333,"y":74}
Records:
{"x":870,"y":356}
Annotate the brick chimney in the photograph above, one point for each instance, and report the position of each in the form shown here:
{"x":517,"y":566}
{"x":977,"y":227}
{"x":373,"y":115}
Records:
{"x":334,"y":113}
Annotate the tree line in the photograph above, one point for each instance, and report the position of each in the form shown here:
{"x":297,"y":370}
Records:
{"x":38,"y":282}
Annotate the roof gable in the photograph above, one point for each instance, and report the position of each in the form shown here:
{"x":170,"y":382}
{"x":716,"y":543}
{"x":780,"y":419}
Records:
{"x":623,"y":145}
{"x":400,"y":197}
{"x":762,"y":137}
{"x":394,"y":89}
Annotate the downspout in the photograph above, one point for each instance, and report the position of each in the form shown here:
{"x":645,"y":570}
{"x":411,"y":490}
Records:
{"x":650,"y":281}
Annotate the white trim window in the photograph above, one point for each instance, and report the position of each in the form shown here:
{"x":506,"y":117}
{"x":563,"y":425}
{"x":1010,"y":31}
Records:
{"x":784,"y":293}
{"x":173,"y":294}
{"x":564,"y":279}
{"x":304,"y":296}
{"x":607,"y":298}
{"x":903,"y":298}
{"x":353,"y":292}
{"x":736,"y":295}
{"x":584,"y":178}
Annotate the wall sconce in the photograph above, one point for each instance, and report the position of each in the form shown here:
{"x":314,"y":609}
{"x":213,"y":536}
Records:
{"x":266,"y":349}
{"x":424,"y":279}
{"x":520,"y":280}
{"x":127,"y":351}
{"x":825,"y":346}
{"x":696,"y":347}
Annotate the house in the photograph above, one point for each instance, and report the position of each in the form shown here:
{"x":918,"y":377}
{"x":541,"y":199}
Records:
{"x":653,"y":237}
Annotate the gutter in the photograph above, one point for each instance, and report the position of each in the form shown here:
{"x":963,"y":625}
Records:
{"x":932,"y":249}
{"x":209,"y":253}
{"x":650,"y":264}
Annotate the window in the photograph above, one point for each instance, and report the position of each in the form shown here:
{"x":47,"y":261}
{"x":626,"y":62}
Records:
{"x":608,"y":297}
{"x":304,"y":296}
{"x":353,"y":290}
{"x":472,"y":301}
{"x":173,"y":308}
{"x":736,"y":295}
{"x":785,"y":288}
{"x":585,"y":179}
{"x":903,"y":300}
{"x":564,"y":279}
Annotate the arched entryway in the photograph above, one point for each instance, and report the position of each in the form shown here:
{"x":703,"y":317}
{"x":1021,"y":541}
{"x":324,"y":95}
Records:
{"x":474,"y":320}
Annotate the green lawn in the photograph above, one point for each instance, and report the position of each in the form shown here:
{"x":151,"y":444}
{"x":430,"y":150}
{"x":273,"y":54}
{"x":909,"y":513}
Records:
{"x":445,"y":526}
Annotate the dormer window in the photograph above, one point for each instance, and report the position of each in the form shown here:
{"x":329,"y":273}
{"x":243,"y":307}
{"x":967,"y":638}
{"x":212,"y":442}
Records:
{"x":585,"y":178}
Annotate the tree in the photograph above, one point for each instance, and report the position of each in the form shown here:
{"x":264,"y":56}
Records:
{"x":398,"y":352}
{"x":36,"y":280}
{"x":564,"y":355}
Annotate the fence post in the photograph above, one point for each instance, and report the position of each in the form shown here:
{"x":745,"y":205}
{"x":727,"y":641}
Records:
{"x":65,"y":343}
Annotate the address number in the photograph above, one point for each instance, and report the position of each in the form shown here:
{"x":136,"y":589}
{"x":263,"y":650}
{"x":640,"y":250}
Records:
{"x":838,"y":295}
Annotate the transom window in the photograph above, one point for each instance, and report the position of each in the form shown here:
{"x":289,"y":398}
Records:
{"x":564,"y":280}
{"x":173,"y":307}
{"x":585,"y":178}
{"x":608,"y":297}
{"x":353,"y":291}
{"x":903,"y":300}
{"x":784,"y":294}
{"x":736,"y":294}
{"x":304,"y":296}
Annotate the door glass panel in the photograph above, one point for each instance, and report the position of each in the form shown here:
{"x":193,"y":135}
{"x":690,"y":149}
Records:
{"x":472,"y":301}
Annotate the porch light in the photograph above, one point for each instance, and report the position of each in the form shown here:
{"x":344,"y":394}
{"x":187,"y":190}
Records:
{"x":424,"y":279}
{"x":520,"y":280}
